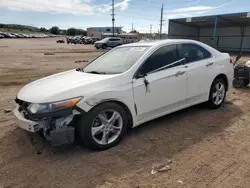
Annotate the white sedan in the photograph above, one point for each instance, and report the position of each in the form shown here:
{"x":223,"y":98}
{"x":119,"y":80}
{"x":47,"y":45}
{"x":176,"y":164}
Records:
{"x":123,"y":88}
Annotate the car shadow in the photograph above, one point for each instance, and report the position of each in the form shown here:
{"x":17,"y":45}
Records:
{"x":153,"y":141}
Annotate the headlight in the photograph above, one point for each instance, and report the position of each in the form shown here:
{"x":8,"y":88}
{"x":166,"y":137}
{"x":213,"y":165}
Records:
{"x":52,"y":107}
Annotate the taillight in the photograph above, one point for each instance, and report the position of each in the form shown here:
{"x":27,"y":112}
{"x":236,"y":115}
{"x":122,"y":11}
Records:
{"x":231,"y":61}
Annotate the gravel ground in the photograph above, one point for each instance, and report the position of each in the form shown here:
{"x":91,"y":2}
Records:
{"x":207,"y":148}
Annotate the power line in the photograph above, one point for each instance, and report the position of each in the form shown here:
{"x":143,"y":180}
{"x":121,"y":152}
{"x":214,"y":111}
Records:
{"x":139,"y":17}
{"x":156,"y":4}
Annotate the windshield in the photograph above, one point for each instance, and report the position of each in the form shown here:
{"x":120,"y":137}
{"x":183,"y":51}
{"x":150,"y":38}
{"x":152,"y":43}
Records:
{"x":116,"y":61}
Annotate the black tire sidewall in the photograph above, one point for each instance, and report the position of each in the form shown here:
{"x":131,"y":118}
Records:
{"x":246,"y":82}
{"x":84,"y":126}
{"x":104,"y":46}
{"x":210,"y":101}
{"x":238,"y":83}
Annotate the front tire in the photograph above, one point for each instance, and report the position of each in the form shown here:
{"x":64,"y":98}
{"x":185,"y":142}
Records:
{"x":217,"y":93}
{"x":103,"y":127}
{"x":238,"y":83}
{"x":104,"y":46}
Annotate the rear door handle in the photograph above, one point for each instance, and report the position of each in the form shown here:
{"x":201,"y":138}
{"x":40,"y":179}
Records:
{"x":179,"y":73}
{"x":209,"y":64}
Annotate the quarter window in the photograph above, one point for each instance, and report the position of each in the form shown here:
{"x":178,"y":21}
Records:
{"x":160,"y":58}
{"x":193,"y":52}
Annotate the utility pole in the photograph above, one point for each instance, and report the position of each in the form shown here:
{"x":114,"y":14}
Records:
{"x":113,"y":17}
{"x":151,"y":30}
{"x":132,"y":27}
{"x":161,"y":21}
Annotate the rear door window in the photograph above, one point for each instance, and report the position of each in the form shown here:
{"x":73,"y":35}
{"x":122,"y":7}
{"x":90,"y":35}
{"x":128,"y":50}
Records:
{"x":193,"y":52}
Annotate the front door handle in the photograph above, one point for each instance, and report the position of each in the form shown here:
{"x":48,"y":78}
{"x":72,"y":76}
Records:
{"x":179,"y":73}
{"x":209,"y":64}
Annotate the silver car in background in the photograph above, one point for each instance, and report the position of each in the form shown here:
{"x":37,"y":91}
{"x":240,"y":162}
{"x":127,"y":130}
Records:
{"x":108,"y":42}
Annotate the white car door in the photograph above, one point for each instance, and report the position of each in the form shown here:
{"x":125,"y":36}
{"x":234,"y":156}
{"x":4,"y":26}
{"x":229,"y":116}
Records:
{"x":200,"y":71}
{"x":163,"y":88}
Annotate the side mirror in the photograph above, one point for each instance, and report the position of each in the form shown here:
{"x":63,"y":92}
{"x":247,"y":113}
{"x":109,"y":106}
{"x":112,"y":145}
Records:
{"x":140,"y":75}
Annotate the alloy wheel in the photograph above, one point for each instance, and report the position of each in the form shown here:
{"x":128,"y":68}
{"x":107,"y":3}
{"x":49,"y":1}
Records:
{"x":107,"y":127}
{"x":219,"y":93}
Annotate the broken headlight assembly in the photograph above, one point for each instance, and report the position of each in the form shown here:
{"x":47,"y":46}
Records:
{"x":54,"y":106}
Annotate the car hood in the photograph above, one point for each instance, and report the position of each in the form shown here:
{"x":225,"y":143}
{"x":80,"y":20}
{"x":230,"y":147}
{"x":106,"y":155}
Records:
{"x":62,"y":86}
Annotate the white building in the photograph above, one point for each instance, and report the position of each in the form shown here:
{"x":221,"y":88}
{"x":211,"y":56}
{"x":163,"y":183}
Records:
{"x":96,"y":32}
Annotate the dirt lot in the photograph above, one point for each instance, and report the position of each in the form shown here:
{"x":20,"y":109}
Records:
{"x":207,"y":148}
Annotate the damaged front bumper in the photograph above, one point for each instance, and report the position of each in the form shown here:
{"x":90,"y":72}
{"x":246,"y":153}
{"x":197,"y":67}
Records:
{"x":26,"y":124}
{"x":56,"y":127}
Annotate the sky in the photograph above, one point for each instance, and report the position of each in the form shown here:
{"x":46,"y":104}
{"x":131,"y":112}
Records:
{"x":96,"y":13}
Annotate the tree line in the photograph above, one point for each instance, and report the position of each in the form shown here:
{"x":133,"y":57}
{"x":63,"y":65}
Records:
{"x":53,"y":30}
{"x":71,"y":31}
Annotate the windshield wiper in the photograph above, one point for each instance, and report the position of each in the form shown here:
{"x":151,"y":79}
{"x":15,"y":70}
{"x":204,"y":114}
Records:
{"x":96,"y":72}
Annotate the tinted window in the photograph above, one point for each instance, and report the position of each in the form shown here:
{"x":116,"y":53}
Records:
{"x":160,"y":58}
{"x":113,"y":39}
{"x":193,"y":52}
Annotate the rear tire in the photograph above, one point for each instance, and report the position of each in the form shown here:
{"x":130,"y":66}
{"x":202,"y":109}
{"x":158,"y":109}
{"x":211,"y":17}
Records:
{"x":217,"y":93}
{"x":96,"y":129}
{"x":246,"y":82}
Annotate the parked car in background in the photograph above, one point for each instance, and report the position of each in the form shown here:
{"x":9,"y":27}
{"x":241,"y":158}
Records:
{"x":125,"y":87}
{"x":1,"y":36}
{"x":21,"y":35}
{"x":108,"y":42}
{"x":6,"y":35}
{"x":60,"y":41}
{"x":12,"y":35}
{"x":80,"y":40}
{"x":16,"y":35}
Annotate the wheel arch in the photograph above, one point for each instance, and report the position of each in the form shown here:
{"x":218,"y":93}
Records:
{"x":224,"y":77}
{"x":122,"y":104}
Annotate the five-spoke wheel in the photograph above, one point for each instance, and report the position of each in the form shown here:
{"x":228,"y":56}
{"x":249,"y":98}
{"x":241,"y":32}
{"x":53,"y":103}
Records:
{"x":217,"y":93}
{"x":106,"y":127}
{"x":103,"y":126}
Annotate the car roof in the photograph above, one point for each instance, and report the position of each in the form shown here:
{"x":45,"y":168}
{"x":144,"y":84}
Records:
{"x":158,"y":43}
{"x":112,"y":38}
{"x":152,"y":43}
